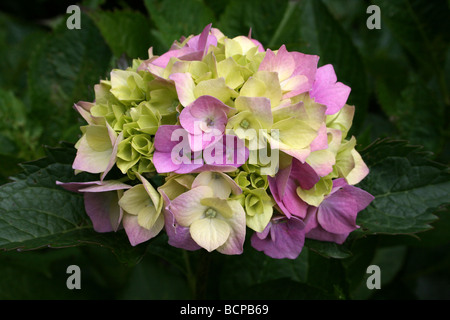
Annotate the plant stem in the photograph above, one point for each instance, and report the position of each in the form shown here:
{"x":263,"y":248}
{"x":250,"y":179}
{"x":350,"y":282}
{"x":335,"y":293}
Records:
{"x":190,"y":276}
{"x":202,"y":274}
{"x":287,"y":15}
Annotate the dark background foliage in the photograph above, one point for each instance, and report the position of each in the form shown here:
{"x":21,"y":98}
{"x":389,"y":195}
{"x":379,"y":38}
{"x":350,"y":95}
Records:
{"x":399,"y":74}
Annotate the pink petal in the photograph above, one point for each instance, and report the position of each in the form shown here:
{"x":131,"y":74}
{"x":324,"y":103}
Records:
{"x":314,"y":231}
{"x":188,"y":168}
{"x":292,"y":202}
{"x":204,"y":111}
{"x":184,"y":86}
{"x":163,"y":162}
{"x":136,"y":234}
{"x":179,"y":236}
{"x":165,"y":138}
{"x":337,"y":213}
{"x":106,"y":186}
{"x":97,"y":207}
{"x":76,"y":186}
{"x":311,"y":219}
{"x":282,"y":63}
{"x":327,"y":91}
{"x":276,"y":195}
{"x":83,"y":109}
{"x":304,"y":174}
{"x":203,"y":41}
{"x":164,"y":59}
{"x":112,"y":160}
{"x":206,"y":106}
{"x":286,"y":239}
{"x":283,"y":187}
{"x":322,"y":235}
{"x":321,"y":141}
{"x":362,"y":197}
{"x":305,"y":64}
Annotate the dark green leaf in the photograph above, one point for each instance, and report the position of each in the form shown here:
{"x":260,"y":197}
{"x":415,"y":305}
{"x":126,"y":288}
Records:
{"x":407,"y":188}
{"x":328,"y":249}
{"x":42,"y":274}
{"x":159,"y":247}
{"x":390,"y":260}
{"x":18,"y":135}
{"x":36,"y":213}
{"x":18,"y":39}
{"x":420,"y":26}
{"x":63,"y":71}
{"x":126,"y":32}
{"x":154,"y":279}
{"x":175,"y":18}
{"x":262,"y":17}
{"x":356,"y":266}
{"x":410,"y":112}
{"x":256,"y":268}
{"x":327,"y":275}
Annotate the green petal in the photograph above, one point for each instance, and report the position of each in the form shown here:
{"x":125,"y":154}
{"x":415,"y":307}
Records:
{"x":176,"y":185}
{"x":316,"y":194}
{"x":220,"y":205}
{"x":135,"y":199}
{"x":342,"y":120}
{"x":147,"y":217}
{"x":187,"y":207}
{"x":259,"y":209}
{"x":210,"y":233}
{"x":294,"y":133}
{"x":98,"y":138}
{"x":263,"y":84}
{"x":216,"y":88}
{"x":219,"y":182}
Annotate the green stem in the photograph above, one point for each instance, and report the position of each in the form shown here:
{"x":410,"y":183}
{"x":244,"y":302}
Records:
{"x":287,"y":15}
{"x":202,"y":275}
{"x":189,"y":274}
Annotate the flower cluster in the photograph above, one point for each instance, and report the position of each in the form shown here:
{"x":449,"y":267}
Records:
{"x":245,"y":139}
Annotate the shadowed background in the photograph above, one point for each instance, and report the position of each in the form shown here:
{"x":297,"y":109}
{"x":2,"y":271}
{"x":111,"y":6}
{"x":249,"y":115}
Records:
{"x":399,"y":77}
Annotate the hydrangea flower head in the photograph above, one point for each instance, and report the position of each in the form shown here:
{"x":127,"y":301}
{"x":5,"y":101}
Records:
{"x":245,"y":140}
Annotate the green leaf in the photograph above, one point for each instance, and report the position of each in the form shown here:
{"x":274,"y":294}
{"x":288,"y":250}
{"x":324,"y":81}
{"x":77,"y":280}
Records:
{"x":421,"y":26}
{"x":407,"y":187}
{"x":328,"y":249}
{"x":154,"y":279}
{"x":18,"y":39}
{"x":63,"y":71}
{"x":175,"y":256}
{"x":384,"y":259}
{"x":255,"y":268}
{"x":175,"y":18}
{"x":356,"y":266}
{"x":262,"y":17}
{"x":37,"y":213}
{"x":126,"y":32}
{"x":42,"y":275}
{"x":327,"y":275}
{"x":414,"y":119}
{"x":18,"y":137}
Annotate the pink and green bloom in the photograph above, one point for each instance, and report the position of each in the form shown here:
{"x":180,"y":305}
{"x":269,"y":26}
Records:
{"x":215,"y":221}
{"x":245,"y":140}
